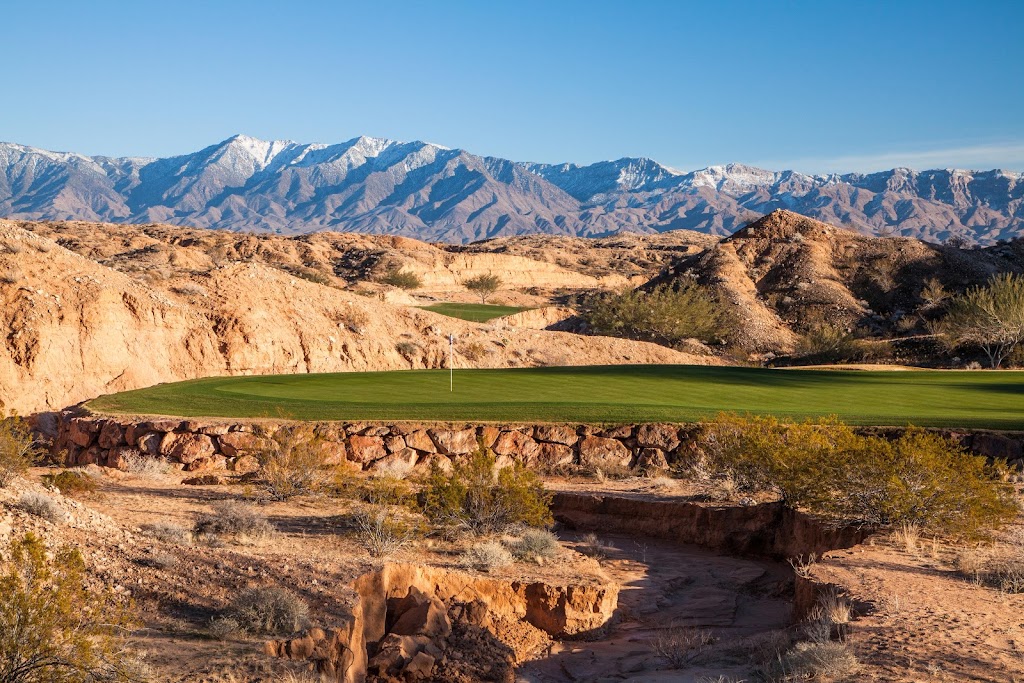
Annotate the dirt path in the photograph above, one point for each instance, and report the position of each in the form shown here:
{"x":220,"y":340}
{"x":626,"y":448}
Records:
{"x":667,"y":588}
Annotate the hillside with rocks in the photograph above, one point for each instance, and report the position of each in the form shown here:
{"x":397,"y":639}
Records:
{"x":786,"y":275}
{"x":130,"y":311}
{"x":430,"y":192}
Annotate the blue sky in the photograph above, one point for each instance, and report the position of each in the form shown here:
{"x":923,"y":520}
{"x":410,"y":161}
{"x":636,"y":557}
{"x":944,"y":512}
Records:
{"x":817,"y":86}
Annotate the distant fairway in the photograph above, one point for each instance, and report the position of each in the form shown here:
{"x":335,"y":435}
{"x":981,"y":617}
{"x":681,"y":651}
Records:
{"x":477,"y":313}
{"x":597,"y":394}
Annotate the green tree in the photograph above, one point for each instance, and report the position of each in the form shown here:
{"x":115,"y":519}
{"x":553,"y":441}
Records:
{"x":52,"y":628}
{"x":990,"y":317}
{"x":404,"y":279}
{"x":483,"y":285}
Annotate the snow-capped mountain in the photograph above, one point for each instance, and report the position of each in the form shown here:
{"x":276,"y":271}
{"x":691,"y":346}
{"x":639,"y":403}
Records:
{"x":431,"y":192}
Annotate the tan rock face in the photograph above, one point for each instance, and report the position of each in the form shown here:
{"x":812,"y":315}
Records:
{"x":79,"y":328}
{"x":556,"y":434}
{"x":516,"y":445}
{"x":664,"y":437}
{"x":421,"y":441}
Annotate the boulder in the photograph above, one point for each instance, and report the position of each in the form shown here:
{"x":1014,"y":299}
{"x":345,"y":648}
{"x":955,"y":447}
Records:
{"x":562,"y":434}
{"x":652,"y":459}
{"x":996,"y":446}
{"x":118,"y":457}
{"x":620,"y":432}
{"x":421,"y":441}
{"x":149,"y":443}
{"x":205,"y":480}
{"x":245,"y":464}
{"x":398,"y":465}
{"x":454,"y":441}
{"x":555,"y":454}
{"x":516,"y":445}
{"x":111,"y":435}
{"x":188,"y":448}
{"x":333,"y":452}
{"x":167,"y":442}
{"x":81,"y":432}
{"x":366,"y":448}
{"x":601,"y":452}
{"x":394,"y":443}
{"x":662,"y":436}
{"x":419,"y":667}
{"x":234,"y":444}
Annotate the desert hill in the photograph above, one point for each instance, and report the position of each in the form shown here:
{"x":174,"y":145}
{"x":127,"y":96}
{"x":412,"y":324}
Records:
{"x":787,"y":274}
{"x":129,"y":310}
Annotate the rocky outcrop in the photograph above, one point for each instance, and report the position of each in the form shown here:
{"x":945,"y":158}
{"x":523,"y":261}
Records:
{"x":412,"y":622}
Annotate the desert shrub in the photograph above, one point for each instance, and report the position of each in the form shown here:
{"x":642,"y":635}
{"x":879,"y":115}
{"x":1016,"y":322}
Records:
{"x":473,"y":350}
{"x":296,"y":464}
{"x":680,"y":646}
{"x":270,"y":610}
{"x":233,"y":518}
{"x":476,"y":497}
{"x":11,"y":276}
{"x":382,"y":533}
{"x":374,"y":490}
{"x":664,"y":315}
{"x":826,"y":468}
{"x":399,"y":277}
{"x":41,"y":505}
{"x":18,"y":450}
{"x":535,"y":544}
{"x":314,"y":276}
{"x":223,"y":628}
{"x":146,"y":466}
{"x":408,"y":349}
{"x":190,"y":289}
{"x":168,"y":532}
{"x":999,"y":567}
{"x":70,"y":482}
{"x":483,"y":285}
{"x":829,"y":344}
{"x":486,"y":556}
{"x":53,"y":628}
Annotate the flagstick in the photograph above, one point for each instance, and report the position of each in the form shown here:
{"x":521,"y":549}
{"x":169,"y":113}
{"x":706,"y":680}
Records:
{"x":451,"y":362}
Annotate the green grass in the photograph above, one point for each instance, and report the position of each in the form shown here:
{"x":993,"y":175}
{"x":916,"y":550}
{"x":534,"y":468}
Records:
{"x":477,"y":313}
{"x":597,"y":394}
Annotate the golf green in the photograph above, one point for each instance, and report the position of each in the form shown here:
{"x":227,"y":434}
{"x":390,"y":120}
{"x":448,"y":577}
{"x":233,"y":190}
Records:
{"x":623,"y":393}
{"x":477,"y":313}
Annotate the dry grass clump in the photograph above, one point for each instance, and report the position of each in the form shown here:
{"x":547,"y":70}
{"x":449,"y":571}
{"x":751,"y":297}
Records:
{"x":190,"y":289}
{"x":486,"y":556}
{"x":168,"y":532}
{"x":829,"y":661}
{"x":235,"y":519}
{"x":297,"y":464}
{"x":680,"y":646}
{"x":11,"y":276}
{"x":908,"y":536}
{"x":382,"y":533}
{"x":270,"y":610}
{"x":145,"y":466}
{"x":43,"y":506}
{"x":1000,"y":566}
{"x":592,"y":546}
{"x":829,"y":619}
{"x":159,"y":560}
{"x":535,"y":545}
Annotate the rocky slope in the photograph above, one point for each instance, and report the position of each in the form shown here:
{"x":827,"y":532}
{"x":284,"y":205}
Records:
{"x":76,"y":328}
{"x":421,"y":190}
{"x":787,"y":274}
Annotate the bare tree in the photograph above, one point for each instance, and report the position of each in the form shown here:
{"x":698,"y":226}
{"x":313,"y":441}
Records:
{"x":990,"y":317}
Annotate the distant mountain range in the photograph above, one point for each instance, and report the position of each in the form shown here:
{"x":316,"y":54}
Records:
{"x":434,"y":193}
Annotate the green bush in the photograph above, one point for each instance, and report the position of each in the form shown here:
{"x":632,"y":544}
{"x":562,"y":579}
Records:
{"x":404,"y":279}
{"x":53,"y":628}
{"x":483,"y":285}
{"x":70,"y":482}
{"x":664,"y":315}
{"x":477,"y":496}
{"x":825,"y":467}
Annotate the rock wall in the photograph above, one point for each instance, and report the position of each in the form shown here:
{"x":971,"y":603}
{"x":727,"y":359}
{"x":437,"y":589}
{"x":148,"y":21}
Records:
{"x":402,"y":448}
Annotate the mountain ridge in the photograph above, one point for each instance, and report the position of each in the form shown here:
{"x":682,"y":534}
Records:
{"x":428,"y":191}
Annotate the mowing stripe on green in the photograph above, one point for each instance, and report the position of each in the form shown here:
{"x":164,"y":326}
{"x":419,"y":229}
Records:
{"x":619,"y":393}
